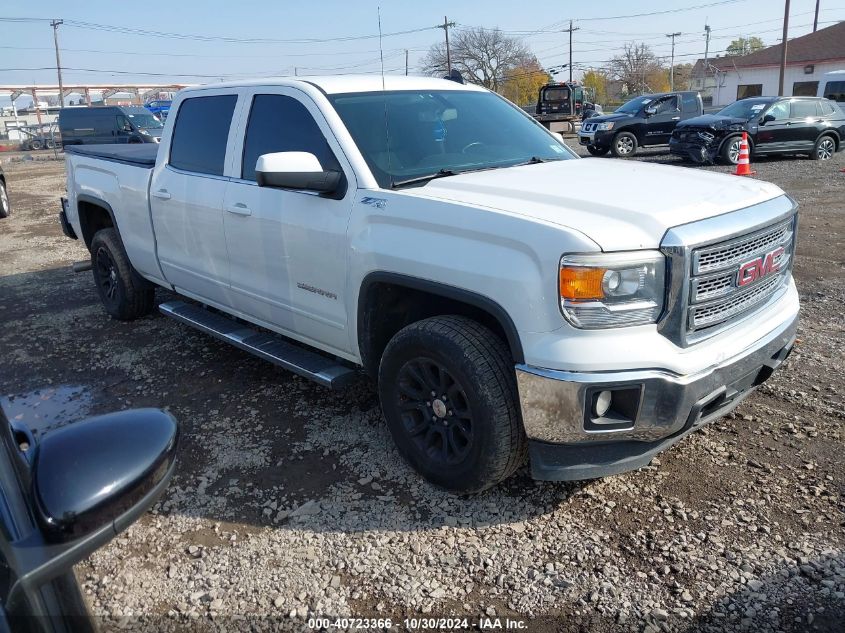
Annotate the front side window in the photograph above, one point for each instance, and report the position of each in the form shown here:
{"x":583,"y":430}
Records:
{"x":278,"y":123}
{"x":405,"y":135}
{"x":667,"y":104}
{"x":201,"y":134}
{"x":780,"y":111}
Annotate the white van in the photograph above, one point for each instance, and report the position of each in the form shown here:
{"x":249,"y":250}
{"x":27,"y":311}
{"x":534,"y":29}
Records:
{"x":832,"y":86}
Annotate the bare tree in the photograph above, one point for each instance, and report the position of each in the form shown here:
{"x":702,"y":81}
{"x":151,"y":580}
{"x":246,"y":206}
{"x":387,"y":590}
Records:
{"x":635,"y":66}
{"x":483,"y":56}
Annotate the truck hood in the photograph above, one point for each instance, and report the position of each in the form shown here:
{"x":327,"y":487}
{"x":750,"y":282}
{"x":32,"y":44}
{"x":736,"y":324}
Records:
{"x":619,"y":204}
{"x":613,"y":116}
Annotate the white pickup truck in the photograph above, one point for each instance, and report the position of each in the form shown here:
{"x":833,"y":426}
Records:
{"x":507,"y":296}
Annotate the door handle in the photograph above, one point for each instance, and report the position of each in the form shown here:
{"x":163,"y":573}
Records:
{"x":239,"y":208}
{"x":676,"y":118}
{"x":161,"y":194}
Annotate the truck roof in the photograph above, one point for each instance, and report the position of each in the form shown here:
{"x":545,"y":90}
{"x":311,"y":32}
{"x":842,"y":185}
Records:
{"x":339,"y":84}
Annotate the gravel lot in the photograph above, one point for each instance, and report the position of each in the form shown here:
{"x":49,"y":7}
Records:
{"x":290,"y":500}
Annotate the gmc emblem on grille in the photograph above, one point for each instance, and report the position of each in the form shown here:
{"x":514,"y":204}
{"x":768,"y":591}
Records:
{"x":758,"y":268}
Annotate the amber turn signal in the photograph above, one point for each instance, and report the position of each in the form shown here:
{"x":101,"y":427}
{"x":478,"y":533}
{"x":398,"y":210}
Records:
{"x":577,"y":282}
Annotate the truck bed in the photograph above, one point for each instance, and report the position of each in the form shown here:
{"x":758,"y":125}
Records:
{"x":140,"y":154}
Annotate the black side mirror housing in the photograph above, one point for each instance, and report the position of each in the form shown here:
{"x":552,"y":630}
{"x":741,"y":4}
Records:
{"x":767,"y":118}
{"x":87,"y":474}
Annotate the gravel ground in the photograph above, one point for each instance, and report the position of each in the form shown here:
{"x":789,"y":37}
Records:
{"x":291,"y":502}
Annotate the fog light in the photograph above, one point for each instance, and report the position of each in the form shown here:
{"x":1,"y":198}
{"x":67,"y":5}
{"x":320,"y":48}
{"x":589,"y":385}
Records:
{"x":603,"y":400}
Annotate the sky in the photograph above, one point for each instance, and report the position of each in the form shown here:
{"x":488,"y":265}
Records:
{"x":201,"y":42}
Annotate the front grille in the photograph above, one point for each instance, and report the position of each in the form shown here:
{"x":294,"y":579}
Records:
{"x":732,"y":278}
{"x":588,"y":127}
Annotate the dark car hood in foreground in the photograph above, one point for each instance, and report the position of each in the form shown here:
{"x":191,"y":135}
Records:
{"x":713,"y":121}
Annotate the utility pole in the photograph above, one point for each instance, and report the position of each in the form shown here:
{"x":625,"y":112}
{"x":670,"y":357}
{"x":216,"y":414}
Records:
{"x":445,"y":26}
{"x":816,"y":19}
{"x":783,"y":51}
{"x":706,"y":44}
{"x":406,"y":62}
{"x":672,"y":64}
{"x":570,"y":30}
{"x":55,"y":24}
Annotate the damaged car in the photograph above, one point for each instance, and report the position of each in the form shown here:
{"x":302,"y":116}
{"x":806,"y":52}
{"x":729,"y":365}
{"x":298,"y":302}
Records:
{"x":775,"y":125}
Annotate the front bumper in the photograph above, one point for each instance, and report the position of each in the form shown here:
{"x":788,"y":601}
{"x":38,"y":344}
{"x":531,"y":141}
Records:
{"x":597,"y":138}
{"x":566,"y":443}
{"x":698,"y":152}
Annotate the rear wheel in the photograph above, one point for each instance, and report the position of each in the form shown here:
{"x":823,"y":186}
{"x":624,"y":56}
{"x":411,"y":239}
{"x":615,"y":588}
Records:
{"x":124,"y":295}
{"x":5,"y":205}
{"x":51,"y":144}
{"x":36,"y":144}
{"x":624,"y":144}
{"x":597,"y":151}
{"x":448,"y":393}
{"x":824,"y":149}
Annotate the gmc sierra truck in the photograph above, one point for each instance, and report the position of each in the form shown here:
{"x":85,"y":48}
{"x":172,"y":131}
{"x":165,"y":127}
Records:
{"x":432,"y":235}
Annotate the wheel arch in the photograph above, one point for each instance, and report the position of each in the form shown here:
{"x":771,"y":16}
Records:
{"x":94,"y":214}
{"x":832,"y":133}
{"x":389,"y":301}
{"x":734,"y":135}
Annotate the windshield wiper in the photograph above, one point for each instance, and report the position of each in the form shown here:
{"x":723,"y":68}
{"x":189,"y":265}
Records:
{"x":412,"y":181}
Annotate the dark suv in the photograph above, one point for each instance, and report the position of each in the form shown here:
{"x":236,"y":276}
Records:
{"x":644,"y":120}
{"x":775,"y":125}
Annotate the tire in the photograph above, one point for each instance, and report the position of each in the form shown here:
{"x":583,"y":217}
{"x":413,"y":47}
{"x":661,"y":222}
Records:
{"x":5,"y":205}
{"x":36,"y":144}
{"x":597,"y":151}
{"x":624,"y":144}
{"x":470,"y":366}
{"x":50,"y":144}
{"x":124,"y":295}
{"x":729,"y":152}
{"x":824,"y":149}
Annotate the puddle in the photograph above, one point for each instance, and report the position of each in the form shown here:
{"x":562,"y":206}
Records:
{"x":48,"y":408}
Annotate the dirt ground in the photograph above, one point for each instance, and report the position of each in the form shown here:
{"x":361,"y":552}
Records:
{"x":290,"y":502}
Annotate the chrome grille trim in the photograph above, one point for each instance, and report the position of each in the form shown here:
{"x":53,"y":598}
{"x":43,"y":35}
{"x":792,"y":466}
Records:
{"x":701,"y":305}
{"x":737,"y":251}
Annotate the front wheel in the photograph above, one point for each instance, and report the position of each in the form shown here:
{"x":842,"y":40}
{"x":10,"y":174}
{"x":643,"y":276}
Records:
{"x":448,"y":392}
{"x":824,"y":149}
{"x":597,"y":151}
{"x":5,"y":205}
{"x":36,"y":144}
{"x":624,"y":145}
{"x":125,"y":296}
{"x":730,"y":150}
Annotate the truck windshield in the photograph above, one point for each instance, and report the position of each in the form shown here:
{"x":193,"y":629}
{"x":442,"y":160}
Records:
{"x":745,"y":109}
{"x":145,"y":121}
{"x":409,"y":135}
{"x":634,"y":105}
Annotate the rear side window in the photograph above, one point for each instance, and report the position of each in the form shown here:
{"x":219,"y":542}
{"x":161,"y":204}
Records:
{"x":802,"y":109}
{"x":200,"y":134}
{"x":278,"y":123}
{"x":826,"y":108}
{"x":689,"y":103}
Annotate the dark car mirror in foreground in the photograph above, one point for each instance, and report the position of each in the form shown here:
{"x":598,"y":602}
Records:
{"x":87,"y":482}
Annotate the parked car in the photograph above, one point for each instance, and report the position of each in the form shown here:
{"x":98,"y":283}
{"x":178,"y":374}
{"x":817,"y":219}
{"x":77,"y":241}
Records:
{"x":503,"y":293}
{"x":5,"y":205}
{"x":642,"y":121}
{"x":832,"y":86}
{"x":66,"y":493}
{"x":108,"y":124}
{"x":159,"y":108}
{"x":774,"y":125}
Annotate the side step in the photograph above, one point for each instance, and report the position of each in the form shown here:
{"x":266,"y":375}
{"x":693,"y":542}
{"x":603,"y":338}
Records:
{"x":274,"y":348}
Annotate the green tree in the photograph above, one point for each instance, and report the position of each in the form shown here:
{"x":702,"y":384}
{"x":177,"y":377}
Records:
{"x":596,"y":82}
{"x":743,"y":46}
{"x":521,"y":84}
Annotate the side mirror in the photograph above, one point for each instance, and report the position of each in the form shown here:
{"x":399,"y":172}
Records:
{"x":88,"y":481}
{"x":90,"y":473}
{"x":295,"y":170}
{"x":767,"y":118}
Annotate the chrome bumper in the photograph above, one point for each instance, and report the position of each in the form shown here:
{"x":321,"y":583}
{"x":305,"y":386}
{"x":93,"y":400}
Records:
{"x":556,"y":405}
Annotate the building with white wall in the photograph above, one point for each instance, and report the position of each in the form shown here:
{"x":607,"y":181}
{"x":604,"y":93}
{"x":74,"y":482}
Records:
{"x":808,"y":59}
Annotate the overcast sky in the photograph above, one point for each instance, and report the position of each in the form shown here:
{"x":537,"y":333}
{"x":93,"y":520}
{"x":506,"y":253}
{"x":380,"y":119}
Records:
{"x":102,"y":51}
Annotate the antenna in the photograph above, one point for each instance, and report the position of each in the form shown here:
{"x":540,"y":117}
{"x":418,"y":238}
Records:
{"x":384,"y":95}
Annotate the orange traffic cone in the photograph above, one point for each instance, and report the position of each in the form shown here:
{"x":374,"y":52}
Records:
{"x":743,"y":167}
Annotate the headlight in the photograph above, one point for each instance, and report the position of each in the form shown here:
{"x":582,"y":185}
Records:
{"x":606,"y":290}
{"x":604,"y":126}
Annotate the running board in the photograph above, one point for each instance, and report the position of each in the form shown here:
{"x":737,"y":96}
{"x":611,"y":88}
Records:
{"x":274,"y":348}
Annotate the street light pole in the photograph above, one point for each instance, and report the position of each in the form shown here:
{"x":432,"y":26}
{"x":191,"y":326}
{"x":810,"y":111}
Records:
{"x":55,"y":24}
